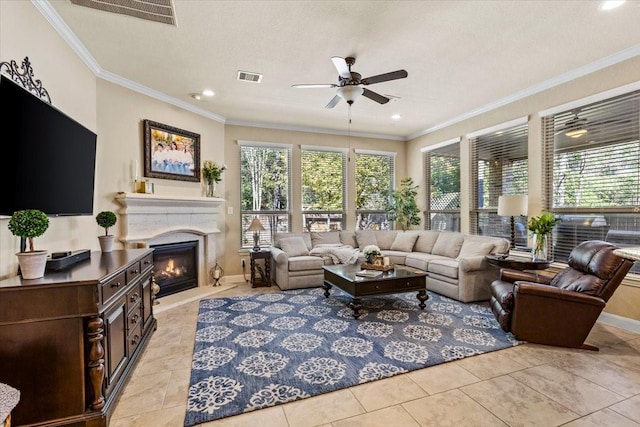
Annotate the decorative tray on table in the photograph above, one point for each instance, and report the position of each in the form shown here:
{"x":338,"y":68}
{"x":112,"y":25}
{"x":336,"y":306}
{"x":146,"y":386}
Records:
{"x":367,"y":266}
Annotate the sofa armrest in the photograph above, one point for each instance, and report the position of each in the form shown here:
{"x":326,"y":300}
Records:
{"x":279,"y":256}
{"x":473,"y":263}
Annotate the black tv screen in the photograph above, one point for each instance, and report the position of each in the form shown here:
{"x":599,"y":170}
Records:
{"x":48,"y":160}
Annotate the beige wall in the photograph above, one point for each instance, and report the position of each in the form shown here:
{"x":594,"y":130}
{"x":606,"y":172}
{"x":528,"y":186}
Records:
{"x":72,"y":88}
{"x":233,"y":134}
{"x":626,"y":301}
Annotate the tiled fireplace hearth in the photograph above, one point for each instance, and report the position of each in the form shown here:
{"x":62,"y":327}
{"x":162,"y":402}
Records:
{"x":159,"y":220}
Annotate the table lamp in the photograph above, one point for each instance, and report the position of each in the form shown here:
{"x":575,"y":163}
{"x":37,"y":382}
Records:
{"x":514,"y":205}
{"x":256,"y":227}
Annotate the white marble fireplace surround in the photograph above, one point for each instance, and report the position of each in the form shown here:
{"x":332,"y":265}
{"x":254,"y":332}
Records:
{"x":156,"y":220}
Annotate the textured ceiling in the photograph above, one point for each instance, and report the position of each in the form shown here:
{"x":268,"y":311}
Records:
{"x":461,"y":56}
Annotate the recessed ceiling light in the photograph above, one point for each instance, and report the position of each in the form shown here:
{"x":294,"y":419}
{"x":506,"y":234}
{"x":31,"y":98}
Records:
{"x":208,"y":92}
{"x":611,"y":4}
{"x":195,"y":96}
{"x":396,"y":117}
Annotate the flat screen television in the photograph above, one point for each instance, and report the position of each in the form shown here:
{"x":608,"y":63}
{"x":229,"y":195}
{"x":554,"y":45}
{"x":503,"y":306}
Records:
{"x":48,"y":159}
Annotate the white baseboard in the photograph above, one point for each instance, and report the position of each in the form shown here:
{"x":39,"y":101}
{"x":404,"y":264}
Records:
{"x":620,"y":322}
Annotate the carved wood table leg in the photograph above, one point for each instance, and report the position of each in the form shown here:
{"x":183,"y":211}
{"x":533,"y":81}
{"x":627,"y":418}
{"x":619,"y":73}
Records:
{"x":422,"y":296}
{"x":96,"y":361}
{"x":327,"y":287}
{"x":355,"y":305}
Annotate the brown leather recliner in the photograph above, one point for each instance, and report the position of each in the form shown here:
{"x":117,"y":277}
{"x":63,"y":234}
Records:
{"x":559,"y":310}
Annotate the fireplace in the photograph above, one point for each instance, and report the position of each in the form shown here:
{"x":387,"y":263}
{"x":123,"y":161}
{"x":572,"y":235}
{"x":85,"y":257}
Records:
{"x":175,"y":267}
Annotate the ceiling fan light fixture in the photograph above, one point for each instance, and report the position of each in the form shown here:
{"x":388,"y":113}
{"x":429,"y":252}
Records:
{"x":350,"y":93}
{"x":576,"y":133}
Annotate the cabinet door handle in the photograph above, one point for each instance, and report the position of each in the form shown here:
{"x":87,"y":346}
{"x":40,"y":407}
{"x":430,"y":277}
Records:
{"x":135,"y":319}
{"x":116,"y":285}
{"x":147,"y":262}
{"x":134,"y":298}
{"x":134,"y":272}
{"x":135,"y":340}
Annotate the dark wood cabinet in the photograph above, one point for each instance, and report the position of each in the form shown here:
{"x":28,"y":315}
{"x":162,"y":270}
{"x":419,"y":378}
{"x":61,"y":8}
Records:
{"x":69,"y":341}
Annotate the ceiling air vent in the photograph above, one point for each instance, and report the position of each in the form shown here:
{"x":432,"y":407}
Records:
{"x":249,"y":77}
{"x":150,"y":10}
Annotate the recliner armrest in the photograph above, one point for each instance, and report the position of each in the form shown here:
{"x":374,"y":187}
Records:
{"x":544,"y":291}
{"x":513,"y":276}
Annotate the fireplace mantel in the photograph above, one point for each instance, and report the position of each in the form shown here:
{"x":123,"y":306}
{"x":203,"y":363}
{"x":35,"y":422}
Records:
{"x":150,"y":220}
{"x":146,"y":216}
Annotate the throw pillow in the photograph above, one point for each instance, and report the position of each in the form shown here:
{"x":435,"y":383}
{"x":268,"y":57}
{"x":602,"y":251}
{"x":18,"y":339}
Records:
{"x":474,"y":248}
{"x":404,"y":242}
{"x":294,"y":246}
{"x":366,"y":238}
{"x":426,"y":240}
{"x":448,"y":244}
{"x":325,"y":237}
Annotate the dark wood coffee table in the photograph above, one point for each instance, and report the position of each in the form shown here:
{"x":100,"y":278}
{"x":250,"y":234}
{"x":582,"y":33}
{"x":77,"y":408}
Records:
{"x":390,"y":282}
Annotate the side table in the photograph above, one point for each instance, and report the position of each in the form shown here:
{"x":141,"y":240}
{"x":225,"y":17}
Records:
{"x":517,"y":263}
{"x":264,"y":278}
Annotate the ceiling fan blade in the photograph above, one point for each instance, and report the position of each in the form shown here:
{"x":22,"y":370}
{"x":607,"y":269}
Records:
{"x":333,"y":102}
{"x":375,"y":96}
{"x":394,"y":75}
{"x":315,"y":86}
{"x":341,"y":66}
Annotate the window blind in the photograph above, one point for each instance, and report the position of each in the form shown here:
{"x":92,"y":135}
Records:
{"x":265,"y":188}
{"x":592,"y":173}
{"x":499,"y":166}
{"x":375,"y":175}
{"x":323,"y":189}
{"x":442,"y":184}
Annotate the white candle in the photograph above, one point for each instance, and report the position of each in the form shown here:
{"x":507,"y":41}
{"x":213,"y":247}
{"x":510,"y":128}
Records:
{"x":385,"y":261}
{"x":134,"y":169}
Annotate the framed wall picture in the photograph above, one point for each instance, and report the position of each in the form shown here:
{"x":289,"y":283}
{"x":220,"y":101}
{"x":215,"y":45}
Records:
{"x":171,"y":153}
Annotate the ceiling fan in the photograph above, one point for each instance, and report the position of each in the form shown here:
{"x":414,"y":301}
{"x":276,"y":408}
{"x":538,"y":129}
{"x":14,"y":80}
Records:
{"x":350,"y":83}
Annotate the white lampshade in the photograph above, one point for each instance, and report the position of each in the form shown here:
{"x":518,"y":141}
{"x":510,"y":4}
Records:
{"x":350,"y":93}
{"x":514,"y":205}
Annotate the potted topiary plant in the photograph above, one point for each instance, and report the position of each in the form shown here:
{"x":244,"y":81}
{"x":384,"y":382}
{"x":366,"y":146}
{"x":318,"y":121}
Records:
{"x":106,"y":219}
{"x":28,"y":224}
{"x":403,"y":208}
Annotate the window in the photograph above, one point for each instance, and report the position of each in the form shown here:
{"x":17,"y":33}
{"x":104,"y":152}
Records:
{"x":499,"y":166}
{"x":375,"y":173}
{"x":265,"y":176}
{"x":592,"y":173}
{"x":323,"y":189}
{"x":442,"y":183}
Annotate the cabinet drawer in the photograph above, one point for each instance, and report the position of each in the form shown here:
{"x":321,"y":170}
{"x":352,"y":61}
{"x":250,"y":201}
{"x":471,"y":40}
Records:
{"x":134,"y":338}
{"x":134,"y":296}
{"x":133,"y":271}
{"x":110,"y":288}
{"x":147,"y":261}
{"x":373,"y":288}
{"x":134,"y":319}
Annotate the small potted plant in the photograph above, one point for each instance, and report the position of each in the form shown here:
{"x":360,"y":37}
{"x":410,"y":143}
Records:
{"x":28,"y":224}
{"x":106,"y":219}
{"x":540,"y":227}
{"x":370,"y":252}
{"x":212,"y":174}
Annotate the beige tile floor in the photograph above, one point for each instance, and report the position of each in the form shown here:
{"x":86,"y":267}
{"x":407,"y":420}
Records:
{"x":528,"y":385}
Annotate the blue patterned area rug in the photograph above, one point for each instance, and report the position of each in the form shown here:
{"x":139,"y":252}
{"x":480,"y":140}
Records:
{"x":257,"y":351}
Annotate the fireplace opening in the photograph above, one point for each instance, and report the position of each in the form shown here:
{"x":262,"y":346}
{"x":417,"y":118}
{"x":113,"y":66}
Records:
{"x":175,"y":267}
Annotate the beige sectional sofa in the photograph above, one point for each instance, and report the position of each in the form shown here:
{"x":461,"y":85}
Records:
{"x":455,"y":263}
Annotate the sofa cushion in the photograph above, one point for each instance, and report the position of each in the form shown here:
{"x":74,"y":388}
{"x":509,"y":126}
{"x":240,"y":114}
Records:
{"x":301,"y":263}
{"x":366,"y":238}
{"x":386,"y":238}
{"x":404,"y":242}
{"x":294,"y":246}
{"x":426,"y":240}
{"x":448,"y":244}
{"x":448,"y":268}
{"x":306,"y":237}
{"x":348,"y":238}
{"x":327,"y":237}
{"x":472,"y":248}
